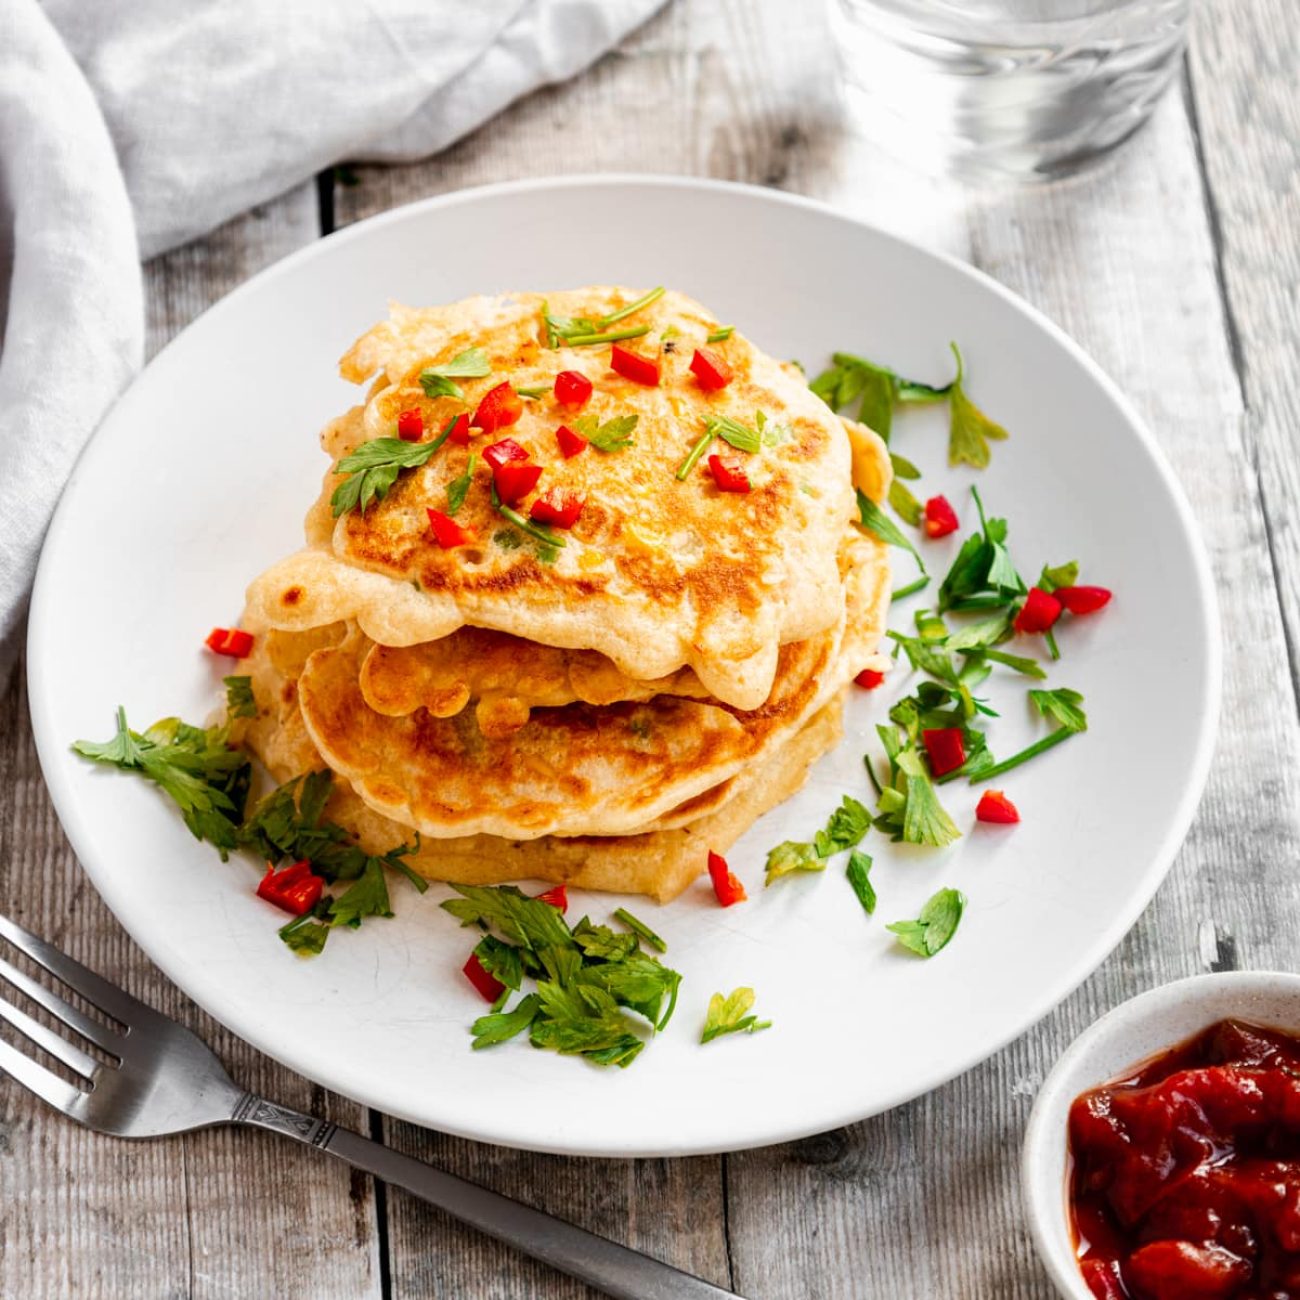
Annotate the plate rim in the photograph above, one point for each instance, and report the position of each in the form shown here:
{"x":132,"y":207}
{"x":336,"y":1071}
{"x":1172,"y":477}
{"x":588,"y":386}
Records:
{"x":1093,"y":955}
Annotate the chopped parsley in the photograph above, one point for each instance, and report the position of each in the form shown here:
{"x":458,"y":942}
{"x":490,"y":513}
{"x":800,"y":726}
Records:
{"x":586,"y":331}
{"x":641,"y":930}
{"x":587,"y":979}
{"x":969,"y":429}
{"x":373,"y":467}
{"x":935,"y":925}
{"x":909,"y":807}
{"x":533,"y":391}
{"x":614,"y":435}
{"x":209,"y":781}
{"x":875,"y":388}
{"x":721,"y":334}
{"x":1062,"y":706}
{"x":239,"y":697}
{"x":792,"y":856}
{"x":845,"y":829}
{"x":550,"y":541}
{"x":196,"y":767}
{"x":439,"y":381}
{"x":982,"y":576}
{"x":731,"y":1015}
{"x":740,"y":436}
{"x":858,"y":872}
{"x":458,"y":488}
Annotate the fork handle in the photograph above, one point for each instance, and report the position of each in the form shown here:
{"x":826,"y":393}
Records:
{"x":617,"y":1270}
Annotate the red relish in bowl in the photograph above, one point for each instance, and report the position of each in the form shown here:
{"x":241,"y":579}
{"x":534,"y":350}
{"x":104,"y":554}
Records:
{"x":1185,"y":1175}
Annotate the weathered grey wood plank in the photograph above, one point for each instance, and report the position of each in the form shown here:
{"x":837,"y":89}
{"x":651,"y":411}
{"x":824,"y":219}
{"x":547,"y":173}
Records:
{"x":216,"y":1214}
{"x":1244,"y":59}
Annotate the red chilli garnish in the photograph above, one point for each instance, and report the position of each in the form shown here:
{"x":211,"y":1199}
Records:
{"x":447,"y":532}
{"x":869,"y":679}
{"x":996,"y":808}
{"x":1083,"y":600}
{"x":728,"y":474}
{"x":710,"y":370}
{"x":945,"y":749}
{"x":725,"y":885}
{"x":632,"y":365}
{"x":459,"y":435}
{"x":557,"y":506}
{"x":410,"y":426}
{"x":940,"y":518}
{"x":501,"y":453}
{"x":570,"y":443}
{"x":489,"y":987}
{"x":234,"y":642}
{"x":500,"y":406}
{"x":515,"y":480}
{"x":572,"y":388}
{"x":557,"y":896}
{"x":1038,"y":613}
{"x":293,"y":888}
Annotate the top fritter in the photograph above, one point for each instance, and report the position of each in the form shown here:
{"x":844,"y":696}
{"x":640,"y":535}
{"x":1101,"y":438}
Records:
{"x":592,"y":470}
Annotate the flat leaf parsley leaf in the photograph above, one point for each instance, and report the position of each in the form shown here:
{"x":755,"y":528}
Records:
{"x":935,"y":925}
{"x":845,"y":829}
{"x":614,"y":435}
{"x":969,"y":430}
{"x":439,"y":381}
{"x":792,"y":856}
{"x":731,"y":1015}
{"x":373,"y":467}
{"x":858,"y":873}
{"x":239,"y":697}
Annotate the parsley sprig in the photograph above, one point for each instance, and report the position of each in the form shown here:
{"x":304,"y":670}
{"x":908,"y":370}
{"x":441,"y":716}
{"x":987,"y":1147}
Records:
{"x":587,"y":331}
{"x":731,"y":1015}
{"x":239,"y":697}
{"x":614,"y":435}
{"x":934,"y":926}
{"x":587,"y":979}
{"x":373,"y":467}
{"x":439,"y":381}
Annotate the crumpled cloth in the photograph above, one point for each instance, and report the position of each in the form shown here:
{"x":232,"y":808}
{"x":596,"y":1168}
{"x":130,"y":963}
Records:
{"x":130,"y":126}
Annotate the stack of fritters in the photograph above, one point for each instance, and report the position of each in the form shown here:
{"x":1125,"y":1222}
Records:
{"x":602,"y":711}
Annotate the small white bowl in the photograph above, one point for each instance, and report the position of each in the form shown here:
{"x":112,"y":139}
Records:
{"x":1133,"y":1032}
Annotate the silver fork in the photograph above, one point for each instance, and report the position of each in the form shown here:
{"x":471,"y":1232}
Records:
{"x":165,"y":1079}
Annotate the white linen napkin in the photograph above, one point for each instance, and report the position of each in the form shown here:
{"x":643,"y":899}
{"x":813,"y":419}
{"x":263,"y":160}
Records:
{"x":185,"y":115}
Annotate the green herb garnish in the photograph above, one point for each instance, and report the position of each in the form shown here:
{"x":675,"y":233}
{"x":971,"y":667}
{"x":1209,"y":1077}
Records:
{"x":239,"y":698}
{"x":721,"y":335}
{"x":935,"y":926}
{"x":614,"y":435}
{"x":533,"y":391}
{"x":438,"y":381}
{"x":535,"y":531}
{"x":845,"y":829}
{"x":373,"y":467}
{"x":458,"y":488}
{"x":587,"y":979}
{"x":792,"y":856}
{"x":586,"y":331}
{"x":731,"y":1015}
{"x":875,"y":388}
{"x":1062,"y":706}
{"x":740,"y":436}
{"x":969,"y":429}
{"x":858,"y":873}
{"x":641,"y":930}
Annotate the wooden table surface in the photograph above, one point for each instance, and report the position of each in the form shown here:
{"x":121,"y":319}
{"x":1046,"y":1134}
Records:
{"x":1177,"y":267}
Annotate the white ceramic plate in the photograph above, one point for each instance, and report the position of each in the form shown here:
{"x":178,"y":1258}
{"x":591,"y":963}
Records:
{"x":202,"y":473}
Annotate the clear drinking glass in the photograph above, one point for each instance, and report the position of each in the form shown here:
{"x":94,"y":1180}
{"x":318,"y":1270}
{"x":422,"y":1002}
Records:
{"x":994,"y":89}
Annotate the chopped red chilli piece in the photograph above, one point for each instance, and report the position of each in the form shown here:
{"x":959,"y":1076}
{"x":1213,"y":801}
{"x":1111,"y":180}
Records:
{"x":447,"y":532}
{"x":500,"y":406}
{"x":572,"y":388}
{"x":515,"y":480}
{"x":557,"y":506}
{"x":459,"y":435}
{"x":501,"y":453}
{"x":725,"y":885}
{"x":234,"y":642}
{"x":1038,"y":613}
{"x":940,"y":518}
{"x":869,"y":679}
{"x":710,"y":370}
{"x":995,"y":807}
{"x":293,"y":888}
{"x":728,"y":474}
{"x":570,"y":443}
{"x":557,"y":896}
{"x":489,"y":987}
{"x":410,"y":426}
{"x":1083,"y":600}
{"x":945,"y":749}
{"x":632,"y":365}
